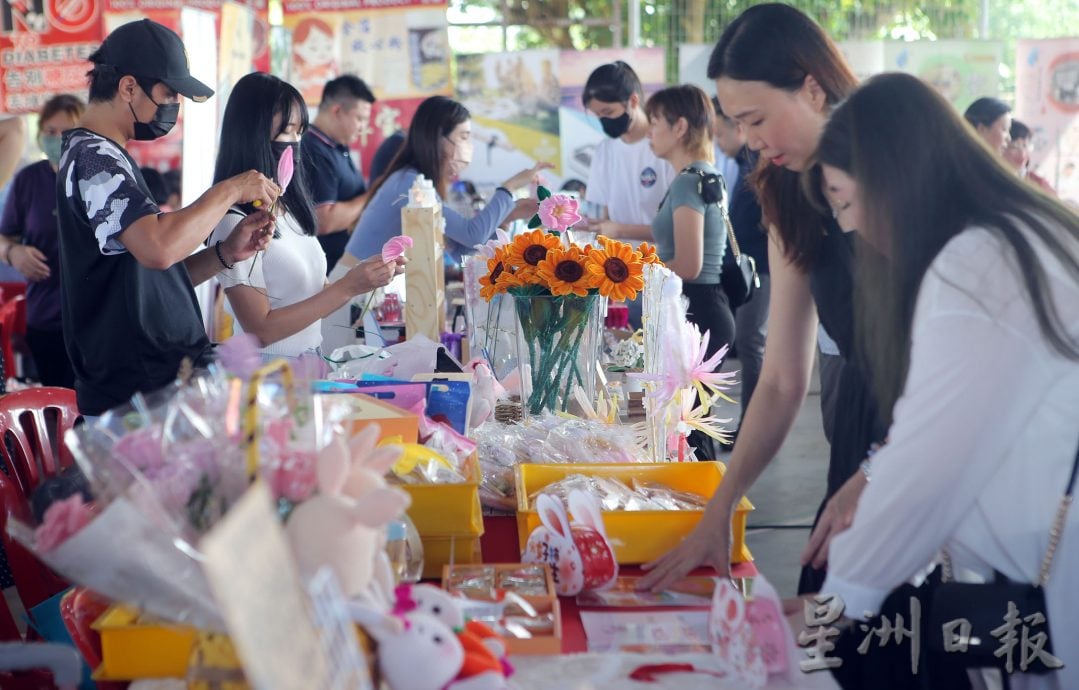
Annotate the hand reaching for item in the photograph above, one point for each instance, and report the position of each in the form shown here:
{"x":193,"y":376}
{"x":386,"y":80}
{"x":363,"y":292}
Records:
{"x":705,"y":546}
{"x":837,"y":517}
{"x":531,"y":175}
{"x":372,"y":273}
{"x":251,"y":235}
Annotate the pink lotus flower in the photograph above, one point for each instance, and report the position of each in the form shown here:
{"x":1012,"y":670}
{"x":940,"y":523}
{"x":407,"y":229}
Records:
{"x":395,"y":248}
{"x":285,"y":169}
{"x":559,"y":212}
{"x":62,"y":520}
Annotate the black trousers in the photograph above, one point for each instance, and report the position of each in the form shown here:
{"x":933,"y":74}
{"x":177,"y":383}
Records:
{"x":50,"y":357}
{"x":709,"y":311}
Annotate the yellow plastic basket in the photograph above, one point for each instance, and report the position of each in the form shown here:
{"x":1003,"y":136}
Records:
{"x":637,"y":536}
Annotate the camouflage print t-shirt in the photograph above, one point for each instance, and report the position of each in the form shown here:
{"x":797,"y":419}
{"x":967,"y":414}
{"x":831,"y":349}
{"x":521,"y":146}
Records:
{"x":127,"y":327}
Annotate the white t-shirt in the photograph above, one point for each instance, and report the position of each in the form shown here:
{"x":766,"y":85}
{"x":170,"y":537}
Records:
{"x":981,"y":447}
{"x":290,"y":271}
{"x":629,"y":180}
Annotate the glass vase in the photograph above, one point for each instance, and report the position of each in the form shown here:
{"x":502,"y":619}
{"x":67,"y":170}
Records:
{"x":491,"y":331}
{"x":558,"y":345}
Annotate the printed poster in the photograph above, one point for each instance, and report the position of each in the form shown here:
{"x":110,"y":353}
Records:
{"x":44,"y":45}
{"x":399,"y":47}
{"x":236,"y":50}
{"x":514,"y":100}
{"x":961,"y":71}
{"x":1047,"y":100}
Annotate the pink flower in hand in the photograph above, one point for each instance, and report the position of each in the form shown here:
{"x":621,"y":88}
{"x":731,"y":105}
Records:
{"x":62,"y":520}
{"x":395,"y":248}
{"x":285,"y":168}
{"x":559,"y":212}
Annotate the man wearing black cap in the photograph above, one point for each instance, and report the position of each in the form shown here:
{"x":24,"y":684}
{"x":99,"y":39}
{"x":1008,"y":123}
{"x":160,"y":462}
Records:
{"x":128,"y":270}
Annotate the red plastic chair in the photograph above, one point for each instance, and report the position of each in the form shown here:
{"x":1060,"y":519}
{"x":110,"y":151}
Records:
{"x":12,"y":323}
{"x":8,"y":290}
{"x":32,"y":427}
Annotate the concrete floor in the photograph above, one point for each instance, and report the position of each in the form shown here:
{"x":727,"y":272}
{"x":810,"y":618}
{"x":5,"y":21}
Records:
{"x":787,"y":495}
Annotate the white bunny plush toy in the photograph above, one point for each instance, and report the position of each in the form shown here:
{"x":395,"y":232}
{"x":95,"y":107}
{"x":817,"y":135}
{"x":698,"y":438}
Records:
{"x":579,"y":554}
{"x":417,"y":651}
{"x":341,"y":526}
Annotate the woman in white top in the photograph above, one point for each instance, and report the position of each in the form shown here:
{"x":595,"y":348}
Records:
{"x":972,"y":331}
{"x":281,"y":295}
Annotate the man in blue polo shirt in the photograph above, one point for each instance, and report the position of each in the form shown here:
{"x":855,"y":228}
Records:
{"x":337,"y":185}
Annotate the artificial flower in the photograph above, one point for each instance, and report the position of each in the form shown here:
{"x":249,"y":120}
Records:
{"x":616,"y":270}
{"x":488,"y":248}
{"x":648,"y":253}
{"x":395,"y":248}
{"x":240,"y":355}
{"x":530,"y":248}
{"x":564,"y":273}
{"x":559,"y":212}
{"x":702,"y":369}
{"x":62,"y":520}
{"x":496,"y":266}
{"x":285,"y":169}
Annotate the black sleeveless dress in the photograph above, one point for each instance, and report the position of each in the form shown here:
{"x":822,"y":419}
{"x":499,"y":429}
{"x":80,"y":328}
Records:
{"x":857,"y":426}
{"x":857,"y":422}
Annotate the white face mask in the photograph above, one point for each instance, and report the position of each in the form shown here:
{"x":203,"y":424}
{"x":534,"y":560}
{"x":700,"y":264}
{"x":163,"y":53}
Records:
{"x":461,"y":156}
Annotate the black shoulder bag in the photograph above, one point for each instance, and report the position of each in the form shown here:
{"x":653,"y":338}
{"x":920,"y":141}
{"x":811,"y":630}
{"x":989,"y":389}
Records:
{"x":970,"y":624}
{"x":738,"y":277}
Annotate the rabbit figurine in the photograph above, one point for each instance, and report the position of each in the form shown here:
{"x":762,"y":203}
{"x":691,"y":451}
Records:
{"x":485,"y":651}
{"x":579,"y":554}
{"x":341,"y":527}
{"x":404,"y":638}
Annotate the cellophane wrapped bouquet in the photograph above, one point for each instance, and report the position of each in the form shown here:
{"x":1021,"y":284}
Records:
{"x":165,"y":468}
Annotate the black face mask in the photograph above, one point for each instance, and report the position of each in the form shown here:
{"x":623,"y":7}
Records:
{"x":615,"y":127}
{"x":279,"y":148}
{"x":162,"y":123}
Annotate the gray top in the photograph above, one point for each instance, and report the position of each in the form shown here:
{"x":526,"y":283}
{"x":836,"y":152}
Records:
{"x":684,"y":192}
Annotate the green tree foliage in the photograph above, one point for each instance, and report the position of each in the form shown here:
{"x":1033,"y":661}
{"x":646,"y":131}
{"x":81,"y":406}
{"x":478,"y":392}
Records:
{"x":584,"y":24}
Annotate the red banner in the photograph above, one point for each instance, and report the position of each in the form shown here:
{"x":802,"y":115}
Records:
{"x":44,"y":45}
{"x":299,"y":6}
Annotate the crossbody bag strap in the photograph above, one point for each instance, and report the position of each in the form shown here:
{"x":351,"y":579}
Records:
{"x":735,"y":250}
{"x":1055,"y":532}
{"x":1057,"y":529}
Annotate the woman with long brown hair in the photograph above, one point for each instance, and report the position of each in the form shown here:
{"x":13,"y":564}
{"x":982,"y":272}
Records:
{"x":971,"y":328}
{"x":778,"y":75}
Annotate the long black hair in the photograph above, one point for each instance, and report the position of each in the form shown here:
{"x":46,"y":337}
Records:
{"x":434,"y":120}
{"x":951,"y":181}
{"x":248,"y":128}
{"x":780,"y":46}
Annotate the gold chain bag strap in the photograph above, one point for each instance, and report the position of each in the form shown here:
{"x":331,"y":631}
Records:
{"x":973,"y":623}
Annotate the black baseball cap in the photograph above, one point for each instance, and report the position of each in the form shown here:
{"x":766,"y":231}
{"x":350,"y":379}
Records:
{"x":148,"y":50}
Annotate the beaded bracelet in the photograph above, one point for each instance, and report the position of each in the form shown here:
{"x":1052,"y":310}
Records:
{"x":217,"y":249}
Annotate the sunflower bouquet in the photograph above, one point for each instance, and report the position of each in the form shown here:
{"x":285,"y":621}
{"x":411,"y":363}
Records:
{"x":559,"y":289}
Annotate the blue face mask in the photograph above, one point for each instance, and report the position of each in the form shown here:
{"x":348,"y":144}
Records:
{"x":51,"y":146}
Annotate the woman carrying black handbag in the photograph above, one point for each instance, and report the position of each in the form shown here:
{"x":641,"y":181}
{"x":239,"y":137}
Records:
{"x":689,"y":227}
{"x":972,"y":333}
